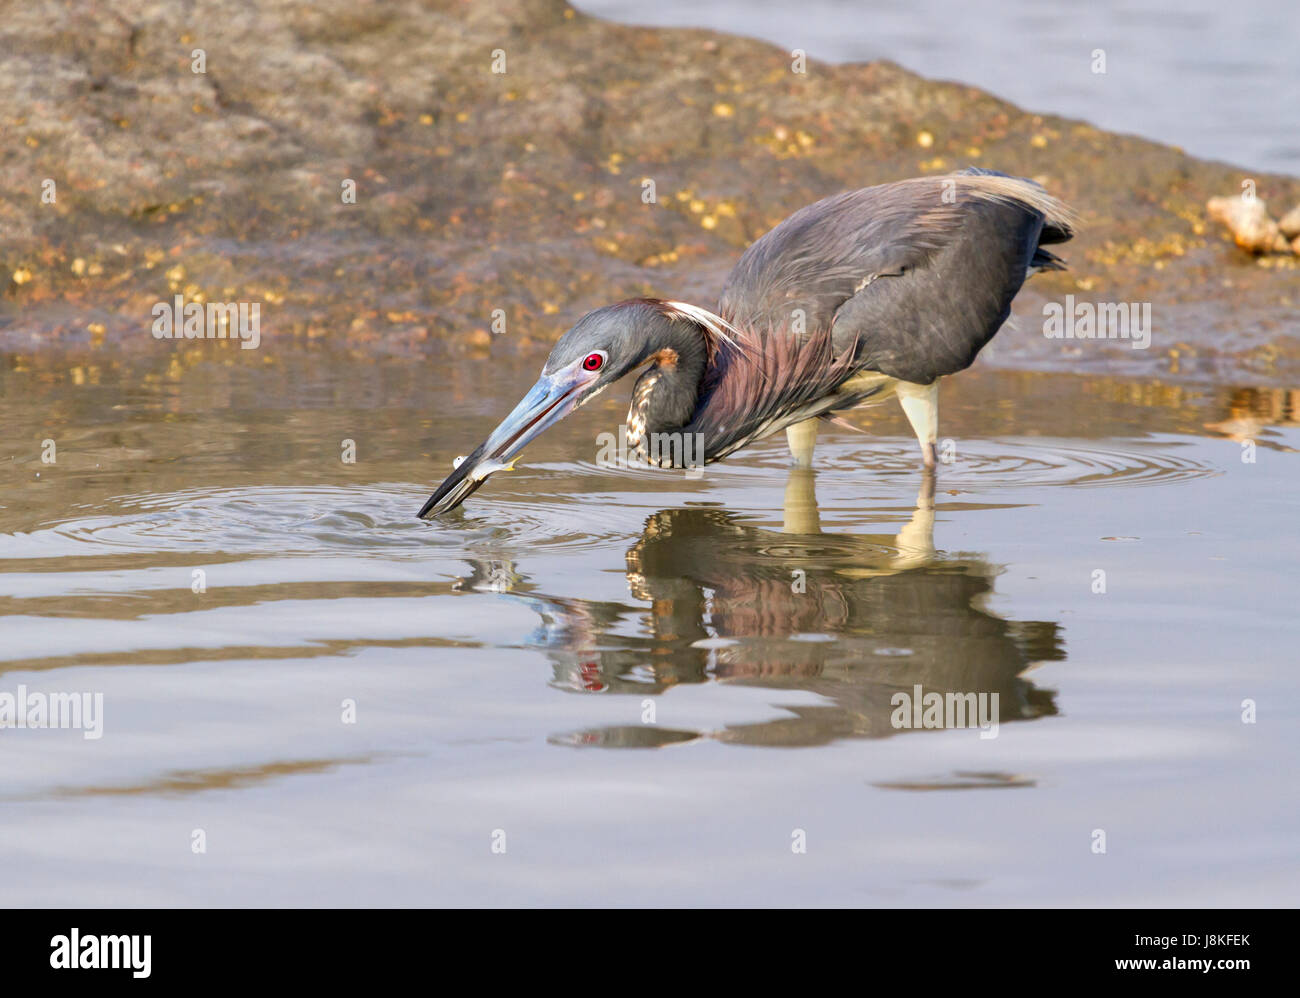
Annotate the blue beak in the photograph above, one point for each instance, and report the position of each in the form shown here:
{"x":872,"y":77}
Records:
{"x":547,"y":402}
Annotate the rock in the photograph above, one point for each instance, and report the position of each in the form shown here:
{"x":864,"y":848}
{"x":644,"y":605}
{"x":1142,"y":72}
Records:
{"x":511,"y":200}
{"x":1248,"y":221}
{"x":1290,"y":223}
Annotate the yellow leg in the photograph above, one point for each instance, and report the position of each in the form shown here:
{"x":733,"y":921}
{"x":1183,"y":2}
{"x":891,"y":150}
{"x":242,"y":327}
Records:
{"x":802,"y":438}
{"x":921,"y":406}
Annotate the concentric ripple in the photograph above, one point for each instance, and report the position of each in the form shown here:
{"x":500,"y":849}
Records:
{"x":365,"y":520}
{"x":1009,"y":462}
{"x":254,"y":519}
{"x":558,"y":506}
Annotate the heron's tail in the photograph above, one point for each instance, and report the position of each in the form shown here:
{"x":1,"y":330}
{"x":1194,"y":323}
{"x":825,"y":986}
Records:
{"x":1043,"y":260}
{"x":1059,"y":219}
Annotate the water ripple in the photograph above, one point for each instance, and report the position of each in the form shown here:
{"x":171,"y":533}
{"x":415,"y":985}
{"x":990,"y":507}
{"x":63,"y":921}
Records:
{"x":1008,"y":463}
{"x":557,"y":507}
{"x":361,"y":520}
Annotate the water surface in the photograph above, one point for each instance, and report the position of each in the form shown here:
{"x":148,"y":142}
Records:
{"x":503,"y":661}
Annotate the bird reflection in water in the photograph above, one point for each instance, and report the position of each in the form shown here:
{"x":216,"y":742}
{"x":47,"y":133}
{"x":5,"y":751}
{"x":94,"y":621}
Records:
{"x":852,"y":618}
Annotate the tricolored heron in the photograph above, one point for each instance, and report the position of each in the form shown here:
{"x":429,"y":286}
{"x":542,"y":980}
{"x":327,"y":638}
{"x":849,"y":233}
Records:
{"x":867,"y":294}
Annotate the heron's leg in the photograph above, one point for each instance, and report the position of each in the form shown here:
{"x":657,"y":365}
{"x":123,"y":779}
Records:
{"x":921,"y":406}
{"x":802,"y":438}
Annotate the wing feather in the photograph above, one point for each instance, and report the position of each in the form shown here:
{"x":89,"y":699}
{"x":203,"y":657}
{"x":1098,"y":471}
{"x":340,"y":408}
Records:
{"x":914,"y":276}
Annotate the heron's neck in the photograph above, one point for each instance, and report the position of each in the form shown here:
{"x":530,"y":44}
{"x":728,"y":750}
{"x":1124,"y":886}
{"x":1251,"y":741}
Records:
{"x":666,"y":394}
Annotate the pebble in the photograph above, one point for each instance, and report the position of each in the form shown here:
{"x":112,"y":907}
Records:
{"x":1248,"y":220}
{"x":1290,"y":224}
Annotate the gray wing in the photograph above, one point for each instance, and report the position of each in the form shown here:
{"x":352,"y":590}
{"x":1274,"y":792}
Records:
{"x":913,"y":277}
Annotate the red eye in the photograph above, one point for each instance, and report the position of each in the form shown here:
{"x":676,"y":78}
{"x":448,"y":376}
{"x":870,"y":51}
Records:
{"x":593,"y":362}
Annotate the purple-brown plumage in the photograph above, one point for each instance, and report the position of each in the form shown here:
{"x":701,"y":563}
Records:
{"x":865,"y":294}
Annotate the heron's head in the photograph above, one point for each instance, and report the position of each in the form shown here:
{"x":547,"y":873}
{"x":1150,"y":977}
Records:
{"x":604,"y":345}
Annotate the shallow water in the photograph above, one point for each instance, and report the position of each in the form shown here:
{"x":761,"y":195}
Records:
{"x":503,"y":661}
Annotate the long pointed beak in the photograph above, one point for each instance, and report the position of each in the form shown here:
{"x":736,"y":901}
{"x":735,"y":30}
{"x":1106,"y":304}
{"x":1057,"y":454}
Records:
{"x":547,"y":402}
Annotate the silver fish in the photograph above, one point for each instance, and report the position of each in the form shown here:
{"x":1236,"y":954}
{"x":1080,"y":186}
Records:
{"x":491,"y":468}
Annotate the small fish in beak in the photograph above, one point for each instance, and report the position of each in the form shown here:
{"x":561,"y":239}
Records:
{"x":490,"y":467}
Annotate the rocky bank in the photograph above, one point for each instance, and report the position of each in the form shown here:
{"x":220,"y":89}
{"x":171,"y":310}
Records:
{"x":522,"y":193}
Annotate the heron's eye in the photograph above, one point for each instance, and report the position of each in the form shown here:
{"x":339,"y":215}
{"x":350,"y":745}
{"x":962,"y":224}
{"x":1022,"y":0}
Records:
{"x":594,"y":361}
